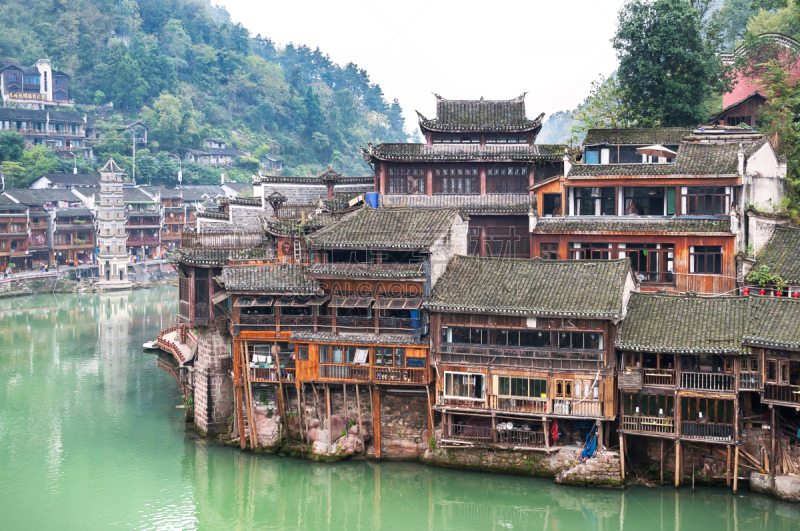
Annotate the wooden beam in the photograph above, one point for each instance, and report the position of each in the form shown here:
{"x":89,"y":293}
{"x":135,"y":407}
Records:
{"x":622,"y":454}
{"x":430,"y":415}
{"x":376,"y":421}
{"x":344,"y":407}
{"x":301,"y":410}
{"x":328,"y":412}
{"x":728,"y":473}
{"x":662,"y":462}
{"x":677,"y":462}
{"x":736,"y":470}
{"x":772,"y":428}
{"x":358,"y":405}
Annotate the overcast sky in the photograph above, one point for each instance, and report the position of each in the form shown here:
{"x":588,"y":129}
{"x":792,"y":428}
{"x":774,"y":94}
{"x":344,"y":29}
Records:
{"x":497,"y":49}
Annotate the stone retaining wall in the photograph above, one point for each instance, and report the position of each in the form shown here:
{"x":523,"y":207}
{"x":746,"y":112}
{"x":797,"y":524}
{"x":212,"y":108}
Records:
{"x":213,"y":387}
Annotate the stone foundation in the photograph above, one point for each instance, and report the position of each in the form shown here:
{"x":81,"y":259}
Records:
{"x":213,"y":387}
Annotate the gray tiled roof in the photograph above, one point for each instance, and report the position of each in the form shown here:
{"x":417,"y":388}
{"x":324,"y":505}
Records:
{"x":480,"y":115}
{"x":72,"y":212}
{"x":7,"y":204}
{"x":468,"y":204}
{"x":464,"y":152}
{"x":363,"y":339}
{"x":683,"y":324}
{"x":631,"y":224}
{"x":369,"y":270}
{"x":693,"y":158}
{"x":644,"y":136}
{"x":30,"y":196}
{"x":11,"y":113}
{"x":782,"y":254}
{"x":280,"y":278}
{"x":220,"y":257}
{"x":396,"y":228}
{"x":69,"y":179}
{"x":135,"y":195}
{"x":564,"y":288}
{"x":773,"y":322}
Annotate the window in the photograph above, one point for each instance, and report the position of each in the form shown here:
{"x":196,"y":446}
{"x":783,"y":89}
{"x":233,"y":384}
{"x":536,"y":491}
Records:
{"x":523,"y":338}
{"x":12,"y":77}
{"x":695,"y":409}
{"x":580,"y":340}
{"x":644,"y":202}
{"x":652,"y":262}
{"x":406,"y":180}
{"x":59,"y":81}
{"x":58,"y":95}
{"x":736,"y":120}
{"x":456,"y":139}
{"x":507,"y":180}
{"x":324,"y":354}
{"x":456,"y":180}
{"x":383,"y":356}
{"x":302,"y":353}
{"x":707,"y":200}
{"x":552,"y":204}
{"x":549,"y":251}
{"x":522,"y":387}
{"x":772,"y":371}
{"x":30,"y":80}
{"x":594,"y":201}
{"x":705,"y":259}
{"x":502,"y":139}
{"x":648,"y":405}
{"x":590,"y":251}
{"x":464,"y":385}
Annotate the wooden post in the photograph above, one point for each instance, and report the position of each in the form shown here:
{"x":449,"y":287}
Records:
{"x":772,"y":428}
{"x":728,"y":473}
{"x":251,"y":417}
{"x":376,"y":421}
{"x":430,"y":415}
{"x":344,"y":407}
{"x":662,"y":462}
{"x":736,"y":470}
{"x":276,"y":351}
{"x":547,"y":435}
{"x":328,"y":413}
{"x":677,"y":462}
{"x":300,"y":410}
{"x":622,"y":455}
{"x":358,"y":405}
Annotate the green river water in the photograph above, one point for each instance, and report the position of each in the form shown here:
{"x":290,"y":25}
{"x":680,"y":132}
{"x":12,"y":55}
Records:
{"x":90,"y":438}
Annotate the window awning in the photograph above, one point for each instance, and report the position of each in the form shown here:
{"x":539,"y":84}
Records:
{"x":219,"y":297}
{"x":350,"y":302}
{"x":252,"y":301}
{"x":301,"y":301}
{"x":398,"y":304}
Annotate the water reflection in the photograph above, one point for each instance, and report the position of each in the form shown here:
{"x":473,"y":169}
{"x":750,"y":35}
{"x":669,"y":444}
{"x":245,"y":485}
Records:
{"x":90,"y":437}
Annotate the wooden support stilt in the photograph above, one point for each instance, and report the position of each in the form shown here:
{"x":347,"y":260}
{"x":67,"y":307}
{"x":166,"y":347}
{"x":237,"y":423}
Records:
{"x":677,"y":463}
{"x":773,"y":426}
{"x":276,"y":351}
{"x":728,"y":467}
{"x":736,"y":470}
{"x":547,"y":435}
{"x":662,"y":462}
{"x":376,"y":421}
{"x":358,"y":406}
{"x":301,"y":410}
{"x":328,"y":413}
{"x":317,"y":405}
{"x":622,"y":455}
{"x":344,"y":407}
{"x":430,"y":415}
{"x":237,"y":395}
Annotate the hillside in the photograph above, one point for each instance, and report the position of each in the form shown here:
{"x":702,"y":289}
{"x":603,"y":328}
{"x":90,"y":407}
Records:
{"x":186,"y":70}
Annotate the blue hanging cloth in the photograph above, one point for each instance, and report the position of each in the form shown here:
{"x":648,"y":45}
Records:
{"x":591,"y":444}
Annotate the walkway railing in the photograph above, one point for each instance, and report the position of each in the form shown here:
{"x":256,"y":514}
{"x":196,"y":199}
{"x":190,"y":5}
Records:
{"x":459,"y":432}
{"x":782,"y":393}
{"x":399,"y":375}
{"x":575,"y":408}
{"x":636,"y":423}
{"x":749,"y":381}
{"x":343,"y":371}
{"x":665,"y":377}
{"x":520,"y":405}
{"x":708,"y":381}
{"x":531,"y":439}
{"x":707,"y":431}
{"x":258,"y":375}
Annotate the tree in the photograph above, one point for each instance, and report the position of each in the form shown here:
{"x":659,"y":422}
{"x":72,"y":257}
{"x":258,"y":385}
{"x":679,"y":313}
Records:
{"x":12,"y":146}
{"x":666,"y":69}
{"x":315,"y":120}
{"x":605,"y":107}
{"x":129,"y":86}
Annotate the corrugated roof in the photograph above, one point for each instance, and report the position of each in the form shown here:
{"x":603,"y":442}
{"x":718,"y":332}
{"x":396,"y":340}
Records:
{"x":400,"y":228}
{"x":281,"y":278}
{"x":683,"y":324}
{"x":480,"y":115}
{"x":782,"y":254}
{"x":638,"y":136}
{"x":464,"y":152}
{"x":631,"y":224}
{"x":566,"y":288}
{"x":773,"y":322}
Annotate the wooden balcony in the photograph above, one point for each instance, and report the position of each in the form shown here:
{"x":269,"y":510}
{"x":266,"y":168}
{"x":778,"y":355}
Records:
{"x":355,"y":322}
{"x":708,"y":381}
{"x":392,"y":375}
{"x":343,"y":371}
{"x":707,"y":431}
{"x":789,"y":394}
{"x":521,"y":357}
{"x":749,"y":381}
{"x":487,"y":436}
{"x":152,"y":240}
{"x":520,"y":438}
{"x":518,"y":405}
{"x":462,"y":403}
{"x":648,"y":425}
{"x":257,"y":320}
{"x":576,"y":408}
{"x":473,"y":434}
{"x":659,"y":377}
{"x":262,"y":375}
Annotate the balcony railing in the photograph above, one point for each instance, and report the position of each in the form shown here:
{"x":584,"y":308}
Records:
{"x":636,"y":423}
{"x":343,"y":371}
{"x":224,"y":240}
{"x":259,"y":320}
{"x":468,"y":403}
{"x":530,"y":439}
{"x":522,"y":357}
{"x":325,"y":321}
{"x":575,"y":408}
{"x":398,"y":324}
{"x":782,"y":393}
{"x":708,"y":381}
{"x":399,"y":375}
{"x":259,"y":375}
{"x":475,"y":434}
{"x":661,"y":377}
{"x":297,"y":320}
{"x":143,"y":241}
{"x":707,"y":431}
{"x":520,"y":405}
{"x":355,"y":322}
{"x":749,"y":381}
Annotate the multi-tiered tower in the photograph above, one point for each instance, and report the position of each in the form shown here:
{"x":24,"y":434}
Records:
{"x":112,"y":254}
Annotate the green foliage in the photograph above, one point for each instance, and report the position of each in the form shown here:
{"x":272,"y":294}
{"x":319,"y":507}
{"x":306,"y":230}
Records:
{"x":189,"y":72}
{"x":667,"y":68}
{"x":605,"y":107}
{"x":263,"y":397}
{"x":34,"y":162}
{"x":762,"y":276}
{"x":12,"y":146}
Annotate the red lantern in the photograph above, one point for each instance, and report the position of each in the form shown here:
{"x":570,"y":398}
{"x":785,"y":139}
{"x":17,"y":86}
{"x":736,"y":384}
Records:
{"x":746,"y":292}
{"x":777,"y":293}
{"x":763,"y":292}
{"x":796,"y":295}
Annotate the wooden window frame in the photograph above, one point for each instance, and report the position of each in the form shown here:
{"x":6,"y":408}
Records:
{"x":450,"y":374}
{"x":707,"y":252}
{"x":454,"y":180}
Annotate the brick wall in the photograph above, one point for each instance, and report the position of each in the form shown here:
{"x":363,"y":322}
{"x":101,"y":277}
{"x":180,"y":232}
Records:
{"x":404,"y":425}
